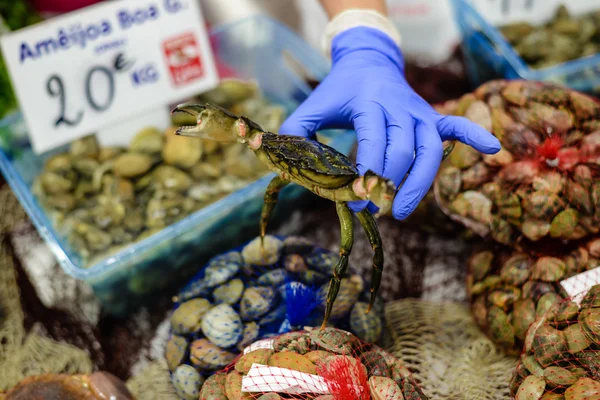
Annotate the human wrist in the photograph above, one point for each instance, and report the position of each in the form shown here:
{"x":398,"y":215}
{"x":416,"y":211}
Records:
{"x":354,"y":18}
{"x":369,"y":43}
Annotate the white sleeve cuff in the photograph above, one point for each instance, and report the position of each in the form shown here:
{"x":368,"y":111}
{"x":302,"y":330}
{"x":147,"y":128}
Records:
{"x":358,"y":17}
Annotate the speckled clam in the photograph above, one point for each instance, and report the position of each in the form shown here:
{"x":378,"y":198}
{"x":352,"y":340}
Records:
{"x":207,"y":356}
{"x":222,"y":326}
{"x":222,"y":268}
{"x":187,"y":382}
{"x":256,"y":302}
{"x":230,"y":292}
{"x":272,"y":278}
{"x":350,"y":290}
{"x":176,"y":350}
{"x":187,"y":318}
{"x":272,"y":250}
{"x":366,"y":326}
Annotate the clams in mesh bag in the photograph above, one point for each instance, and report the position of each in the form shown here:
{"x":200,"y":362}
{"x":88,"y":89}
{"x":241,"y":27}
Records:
{"x":245,"y":295}
{"x":510,"y":287}
{"x":544,"y":182}
{"x":561,"y":357}
{"x":313,"y":364}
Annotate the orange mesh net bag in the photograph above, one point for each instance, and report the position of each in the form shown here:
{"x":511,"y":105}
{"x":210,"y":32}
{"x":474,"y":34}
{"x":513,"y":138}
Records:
{"x":561,"y":356}
{"x":312,"y":364}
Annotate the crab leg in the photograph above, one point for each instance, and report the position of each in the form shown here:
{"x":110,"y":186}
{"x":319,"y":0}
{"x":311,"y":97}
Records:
{"x":370,"y":226}
{"x":270,"y":199}
{"x":346,"y":242}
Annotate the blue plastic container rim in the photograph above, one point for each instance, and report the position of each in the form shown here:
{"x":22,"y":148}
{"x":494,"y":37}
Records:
{"x":462,"y":7}
{"x":48,"y":233}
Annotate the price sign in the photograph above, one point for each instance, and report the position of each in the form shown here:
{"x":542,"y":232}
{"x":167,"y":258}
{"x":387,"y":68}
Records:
{"x":90,"y":69}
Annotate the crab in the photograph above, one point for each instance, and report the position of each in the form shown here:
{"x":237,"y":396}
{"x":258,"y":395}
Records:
{"x":313,"y":165}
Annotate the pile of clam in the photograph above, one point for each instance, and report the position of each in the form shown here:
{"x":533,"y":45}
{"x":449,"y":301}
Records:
{"x":326,"y":364}
{"x":561,"y":358}
{"x":240,"y":297}
{"x":509,"y":288}
{"x":105,"y":198}
{"x":544,"y":182}
{"x":562,"y":39}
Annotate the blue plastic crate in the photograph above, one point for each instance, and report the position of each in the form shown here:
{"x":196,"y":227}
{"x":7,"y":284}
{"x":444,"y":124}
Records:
{"x":256,"y":48}
{"x":489,"y":56}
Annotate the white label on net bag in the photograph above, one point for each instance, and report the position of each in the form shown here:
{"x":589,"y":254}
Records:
{"x":262,"y":378}
{"x":260,"y":344}
{"x":578,"y":285}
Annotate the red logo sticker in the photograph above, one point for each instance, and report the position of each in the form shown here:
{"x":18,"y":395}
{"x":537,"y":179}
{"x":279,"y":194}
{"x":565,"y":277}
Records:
{"x":182,"y":55}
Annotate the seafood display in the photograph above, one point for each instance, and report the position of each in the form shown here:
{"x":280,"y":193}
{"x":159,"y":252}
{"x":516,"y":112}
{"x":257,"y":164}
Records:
{"x":319,"y":364}
{"x":561,"y":354}
{"x":106,"y":198}
{"x":313,"y":165}
{"x":255,"y":292}
{"x":562,"y":39}
{"x":510,"y":287}
{"x":97,"y":386}
{"x":544,"y":183}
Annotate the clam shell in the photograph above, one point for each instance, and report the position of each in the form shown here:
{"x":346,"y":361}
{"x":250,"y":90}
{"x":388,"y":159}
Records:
{"x":322,"y":261}
{"x":252,"y":253}
{"x":256,"y":302}
{"x":222,"y":326}
{"x":294,"y":263}
{"x":249,"y":335}
{"x":366,"y":326}
{"x":297,"y":245}
{"x":195,"y":289}
{"x":208,"y":356}
{"x":278,"y":314}
{"x":382,"y":388}
{"x":187,"y":317}
{"x":273,"y":278}
{"x":350,"y":290}
{"x":229,"y":293}
{"x":222,"y":268}
{"x":214,"y":388}
{"x":187,"y":382}
{"x":175,"y":351}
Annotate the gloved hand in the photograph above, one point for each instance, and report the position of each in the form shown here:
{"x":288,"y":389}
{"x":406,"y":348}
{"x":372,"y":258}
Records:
{"x":366,"y":90}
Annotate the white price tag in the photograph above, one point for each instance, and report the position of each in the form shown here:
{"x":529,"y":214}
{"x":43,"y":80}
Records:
{"x":78,"y":73}
{"x":260,"y":344}
{"x":578,"y":285}
{"x":265,"y":379}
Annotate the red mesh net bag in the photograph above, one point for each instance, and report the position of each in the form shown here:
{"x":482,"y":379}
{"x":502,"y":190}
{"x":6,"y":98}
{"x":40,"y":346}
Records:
{"x":510,"y":286}
{"x":561,"y":356}
{"x":313,"y":364}
{"x":545,"y":181}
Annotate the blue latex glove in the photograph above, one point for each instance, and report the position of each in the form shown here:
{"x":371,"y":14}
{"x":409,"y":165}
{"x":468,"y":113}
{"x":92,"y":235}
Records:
{"x":366,"y":90}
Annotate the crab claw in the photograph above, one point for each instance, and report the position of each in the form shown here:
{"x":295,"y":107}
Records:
{"x":377,"y":189}
{"x":212,"y":122}
{"x":189,"y":108}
